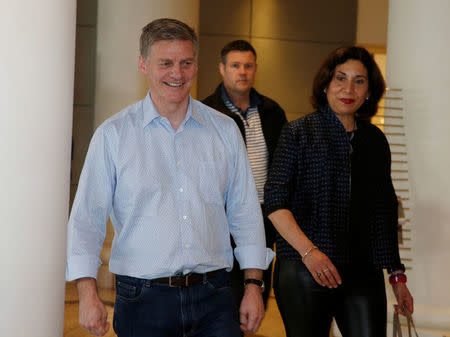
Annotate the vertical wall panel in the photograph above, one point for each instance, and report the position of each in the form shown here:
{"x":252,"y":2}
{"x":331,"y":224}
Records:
{"x":291,"y":39}
{"x":118,"y":81}
{"x":232,"y":17}
{"x":315,"y":21}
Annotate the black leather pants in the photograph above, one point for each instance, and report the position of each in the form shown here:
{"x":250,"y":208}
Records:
{"x":307,"y":309}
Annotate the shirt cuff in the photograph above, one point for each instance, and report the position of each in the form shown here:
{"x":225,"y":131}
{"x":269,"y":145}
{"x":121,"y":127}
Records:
{"x":82,"y":266}
{"x":254,"y":257}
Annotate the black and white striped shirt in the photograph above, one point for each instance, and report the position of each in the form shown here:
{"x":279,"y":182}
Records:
{"x":254,"y":136}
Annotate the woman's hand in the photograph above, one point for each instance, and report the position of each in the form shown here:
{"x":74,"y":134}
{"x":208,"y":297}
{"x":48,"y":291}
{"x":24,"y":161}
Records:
{"x":404,"y":298}
{"x":322,"y":269}
{"x":318,"y":264}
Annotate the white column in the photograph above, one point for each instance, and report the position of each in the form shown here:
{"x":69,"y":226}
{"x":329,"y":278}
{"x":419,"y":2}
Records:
{"x":118,"y":81}
{"x":36,"y":91}
{"x":418,"y":56}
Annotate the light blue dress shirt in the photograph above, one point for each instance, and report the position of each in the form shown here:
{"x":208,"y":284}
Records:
{"x":173,"y":197}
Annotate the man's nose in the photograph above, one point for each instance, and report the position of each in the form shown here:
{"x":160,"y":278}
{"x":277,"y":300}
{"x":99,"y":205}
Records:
{"x":176,"y":71}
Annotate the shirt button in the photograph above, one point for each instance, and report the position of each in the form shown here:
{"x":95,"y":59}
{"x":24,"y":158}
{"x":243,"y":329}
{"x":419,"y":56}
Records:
{"x":179,"y":163}
{"x":184,"y":217}
{"x":187,"y":245}
{"x":181,"y":189}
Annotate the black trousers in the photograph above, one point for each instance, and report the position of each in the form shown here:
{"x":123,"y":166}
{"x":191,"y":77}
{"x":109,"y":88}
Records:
{"x":237,"y":275}
{"x":358,"y":305}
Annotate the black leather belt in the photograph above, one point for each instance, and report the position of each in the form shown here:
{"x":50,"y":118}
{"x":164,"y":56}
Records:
{"x":186,"y":280}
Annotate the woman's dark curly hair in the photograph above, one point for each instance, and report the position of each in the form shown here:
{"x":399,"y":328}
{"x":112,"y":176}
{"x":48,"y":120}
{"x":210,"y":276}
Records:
{"x":326,"y":73}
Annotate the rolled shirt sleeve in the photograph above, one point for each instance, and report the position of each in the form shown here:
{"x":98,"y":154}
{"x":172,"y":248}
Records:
{"x":90,"y":210}
{"x":244,"y":212}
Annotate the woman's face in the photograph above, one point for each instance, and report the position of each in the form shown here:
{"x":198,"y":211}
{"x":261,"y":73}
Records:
{"x":348,"y":88}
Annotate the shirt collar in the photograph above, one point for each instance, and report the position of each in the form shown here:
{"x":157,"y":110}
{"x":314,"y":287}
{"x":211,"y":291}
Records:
{"x":194,"y":113}
{"x":255,"y":100}
{"x":150,"y":113}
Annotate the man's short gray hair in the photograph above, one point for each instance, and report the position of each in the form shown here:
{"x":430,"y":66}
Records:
{"x":166,"y":29}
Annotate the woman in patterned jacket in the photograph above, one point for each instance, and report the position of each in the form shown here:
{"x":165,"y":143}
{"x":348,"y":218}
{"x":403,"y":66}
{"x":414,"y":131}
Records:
{"x":330,"y":196}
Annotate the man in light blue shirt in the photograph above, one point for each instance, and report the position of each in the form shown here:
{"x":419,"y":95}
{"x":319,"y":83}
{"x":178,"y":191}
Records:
{"x":174,"y":177}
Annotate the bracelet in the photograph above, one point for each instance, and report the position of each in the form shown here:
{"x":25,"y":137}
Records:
{"x":310,"y":249}
{"x":397,"y":278}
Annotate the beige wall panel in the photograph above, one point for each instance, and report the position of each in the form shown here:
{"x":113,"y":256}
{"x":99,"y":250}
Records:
{"x":231,"y":17}
{"x":319,"y":20}
{"x":372,"y":22}
{"x":209,"y":58}
{"x":85,"y":65}
{"x":119,"y":24}
{"x":286,"y":70}
{"x":86,"y":12}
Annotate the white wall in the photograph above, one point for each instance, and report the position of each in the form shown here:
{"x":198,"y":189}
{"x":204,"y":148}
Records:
{"x":418,"y":57}
{"x":36,"y":91}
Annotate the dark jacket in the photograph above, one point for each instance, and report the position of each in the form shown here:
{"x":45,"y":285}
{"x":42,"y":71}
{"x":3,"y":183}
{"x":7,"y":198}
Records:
{"x":310,"y":176}
{"x":271,"y":114}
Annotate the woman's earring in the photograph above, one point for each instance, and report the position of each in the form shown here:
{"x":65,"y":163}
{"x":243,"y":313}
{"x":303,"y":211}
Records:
{"x":367,"y":98}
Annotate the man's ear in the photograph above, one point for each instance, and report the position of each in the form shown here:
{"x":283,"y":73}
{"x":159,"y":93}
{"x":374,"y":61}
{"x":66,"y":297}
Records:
{"x":222,"y":68}
{"x":143,"y":66}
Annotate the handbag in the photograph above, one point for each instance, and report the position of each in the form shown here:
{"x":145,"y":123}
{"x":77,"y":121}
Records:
{"x":397,"y":329}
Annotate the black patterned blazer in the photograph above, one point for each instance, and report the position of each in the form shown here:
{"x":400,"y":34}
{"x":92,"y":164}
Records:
{"x":310,"y":176}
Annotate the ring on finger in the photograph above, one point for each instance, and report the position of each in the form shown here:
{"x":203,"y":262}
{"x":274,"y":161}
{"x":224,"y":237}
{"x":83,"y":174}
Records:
{"x":318,"y":274}
{"x":325,"y":270}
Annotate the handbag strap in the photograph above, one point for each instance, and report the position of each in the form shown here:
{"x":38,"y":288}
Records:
{"x":397,"y":329}
{"x":410,"y":322}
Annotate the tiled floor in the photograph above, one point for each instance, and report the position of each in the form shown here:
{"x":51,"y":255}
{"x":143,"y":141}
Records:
{"x":272,"y":326}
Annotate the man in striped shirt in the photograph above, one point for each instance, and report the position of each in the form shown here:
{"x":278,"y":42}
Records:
{"x":260,"y":120}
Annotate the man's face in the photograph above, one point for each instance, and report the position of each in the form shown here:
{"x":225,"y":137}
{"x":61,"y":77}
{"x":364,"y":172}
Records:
{"x":238,"y":72}
{"x":170,"y":69}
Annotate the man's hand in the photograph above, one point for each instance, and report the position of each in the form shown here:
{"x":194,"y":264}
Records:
{"x":251,"y":311}
{"x":92,"y":312}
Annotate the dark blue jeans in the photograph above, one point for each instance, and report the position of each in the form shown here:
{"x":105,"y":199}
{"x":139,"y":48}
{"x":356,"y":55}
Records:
{"x":147,"y":309}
